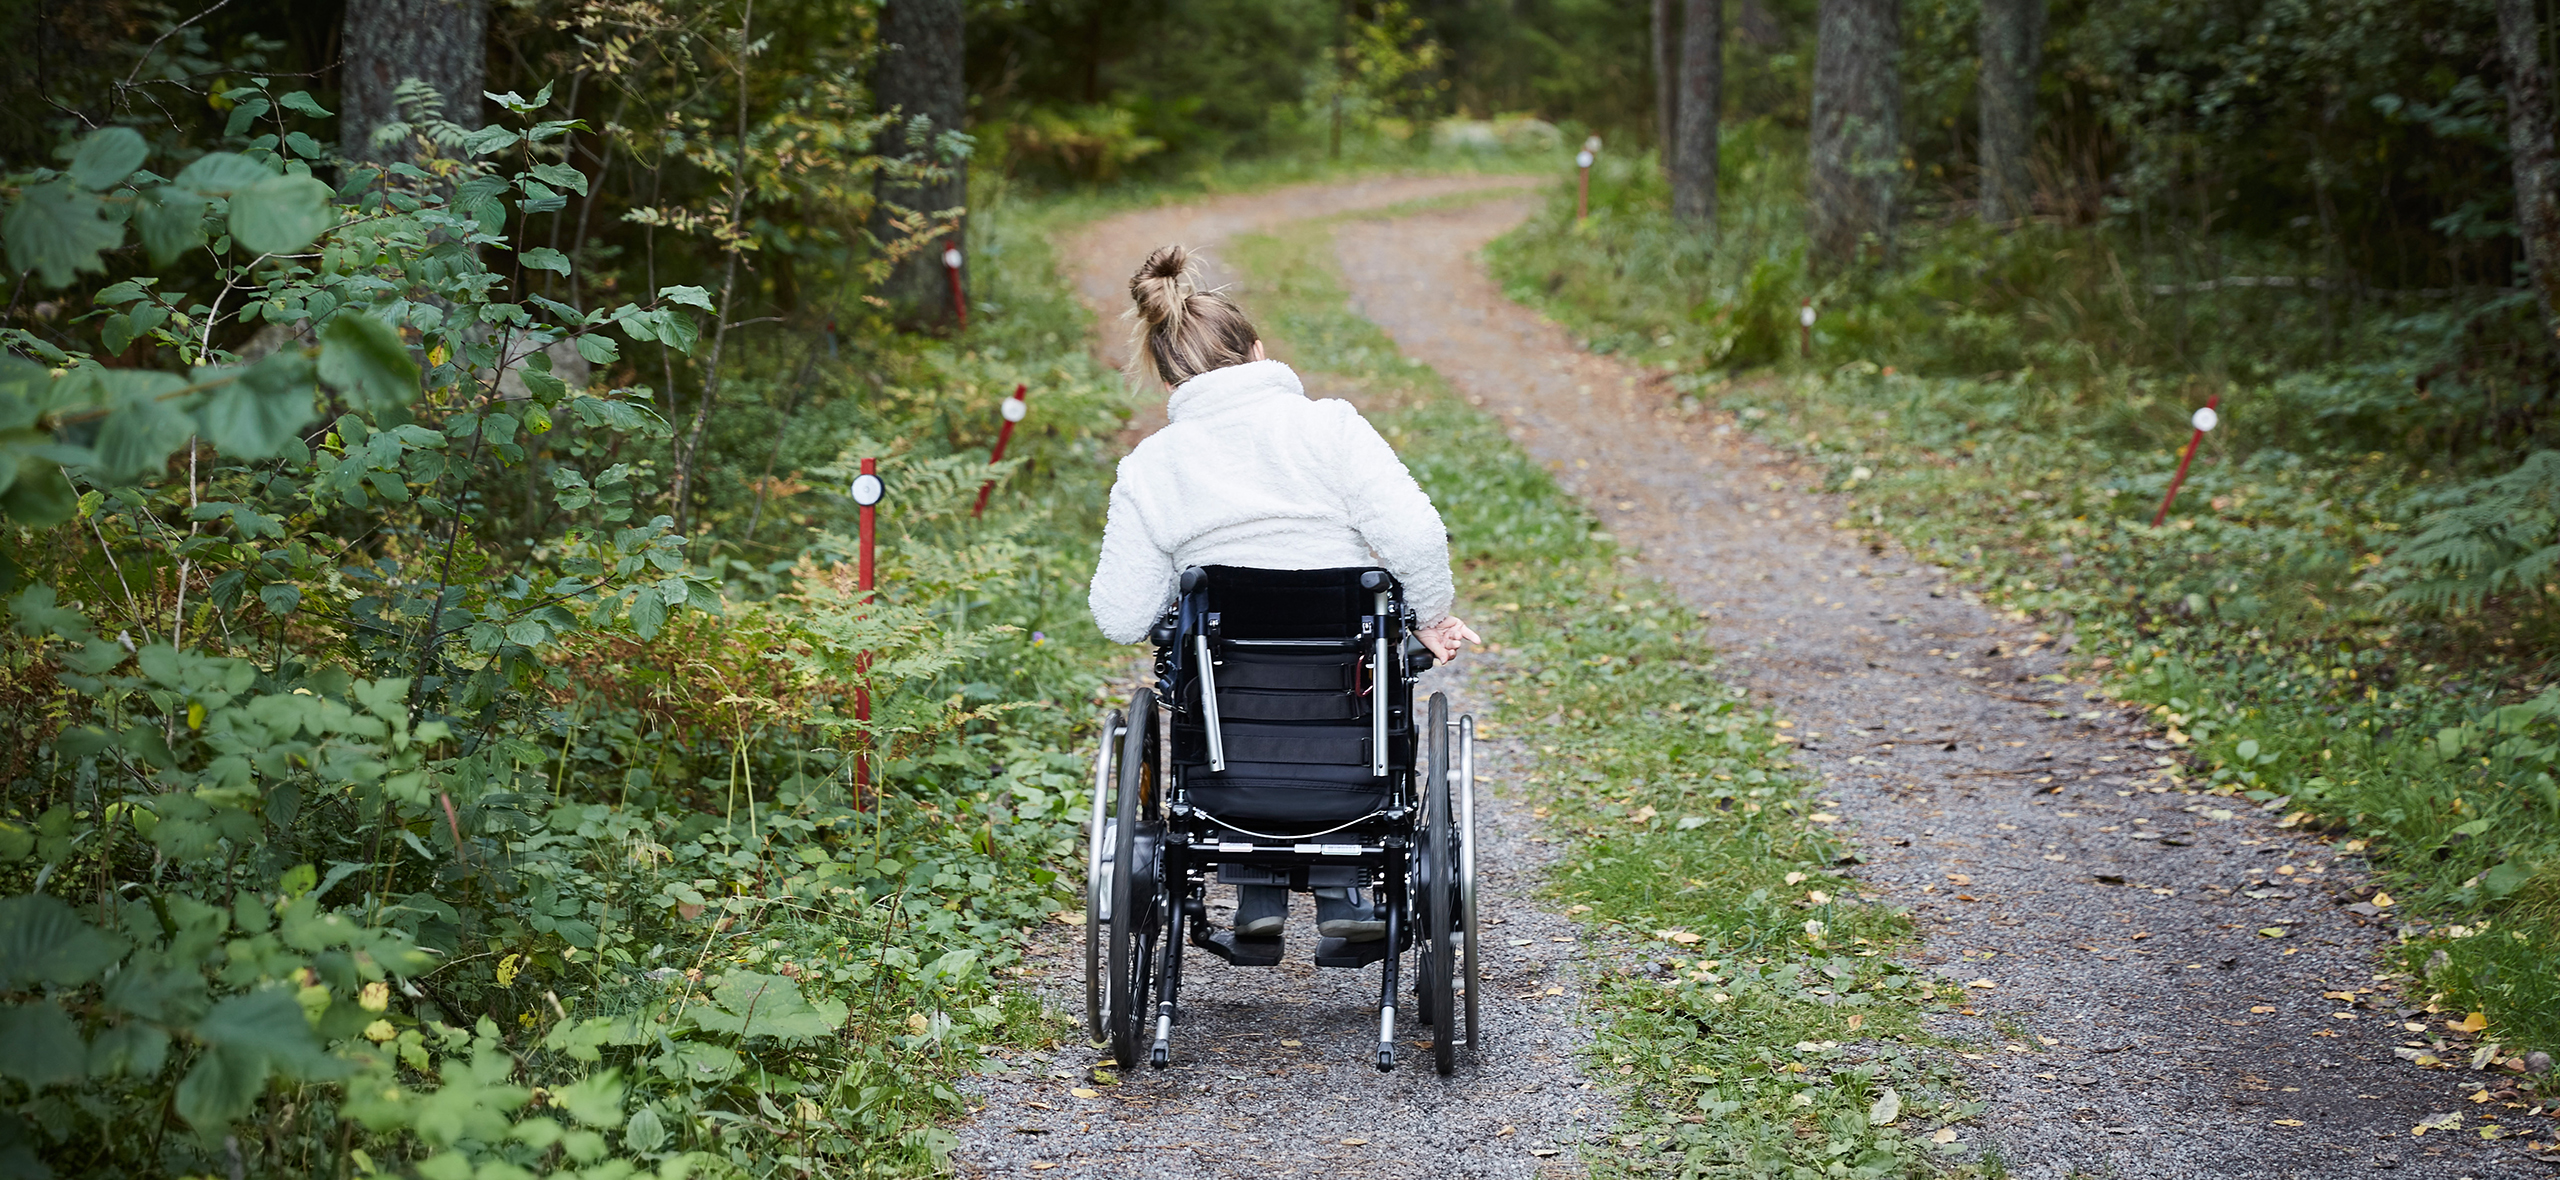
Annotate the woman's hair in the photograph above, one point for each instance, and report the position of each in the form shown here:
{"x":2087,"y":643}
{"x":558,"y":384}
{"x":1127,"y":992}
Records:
{"x":1182,"y":331}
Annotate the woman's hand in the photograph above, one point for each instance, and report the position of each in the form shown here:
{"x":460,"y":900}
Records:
{"x":1444,"y":637}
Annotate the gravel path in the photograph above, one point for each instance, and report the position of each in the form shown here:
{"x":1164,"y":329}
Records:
{"x":2136,"y":1022}
{"x":1273,"y":1072}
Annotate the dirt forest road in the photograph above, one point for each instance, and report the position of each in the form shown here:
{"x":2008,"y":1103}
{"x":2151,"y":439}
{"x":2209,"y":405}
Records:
{"x":2135,"y":1022}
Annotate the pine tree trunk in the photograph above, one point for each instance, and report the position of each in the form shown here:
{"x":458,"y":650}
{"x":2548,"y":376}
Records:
{"x":2529,"y":143}
{"x":443,"y":43}
{"x":1666,"y":83}
{"x":1693,"y":167}
{"x":1857,"y":131}
{"x":919,"y":75}
{"x":2012,"y":34}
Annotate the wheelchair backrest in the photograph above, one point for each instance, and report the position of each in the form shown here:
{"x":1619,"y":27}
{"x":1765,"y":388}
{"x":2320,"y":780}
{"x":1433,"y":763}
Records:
{"x":1287,"y":604}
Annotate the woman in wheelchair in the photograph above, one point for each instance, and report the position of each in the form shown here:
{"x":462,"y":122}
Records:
{"x":1255,"y":493}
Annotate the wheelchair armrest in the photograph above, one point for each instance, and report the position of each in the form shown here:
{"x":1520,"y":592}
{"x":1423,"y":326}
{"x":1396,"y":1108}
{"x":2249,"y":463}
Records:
{"x":1417,"y":655}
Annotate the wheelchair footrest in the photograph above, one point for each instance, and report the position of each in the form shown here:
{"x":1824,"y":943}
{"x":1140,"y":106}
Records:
{"x":1241,"y":952}
{"x":1336,"y":952}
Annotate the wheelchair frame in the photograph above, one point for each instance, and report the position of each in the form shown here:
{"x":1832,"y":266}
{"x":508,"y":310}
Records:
{"x":1415,"y":854}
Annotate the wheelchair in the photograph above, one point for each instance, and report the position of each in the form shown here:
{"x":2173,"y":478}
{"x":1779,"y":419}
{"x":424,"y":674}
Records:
{"x":1280,"y":746}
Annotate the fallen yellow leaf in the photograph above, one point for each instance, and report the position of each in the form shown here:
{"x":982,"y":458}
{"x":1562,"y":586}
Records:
{"x":1944,"y":1135}
{"x":1355,"y":1143}
{"x":1984,"y":984}
{"x":1959,"y":879}
{"x":1041,"y":1165}
{"x":2262,"y":1009}
{"x":1506,"y":1130}
{"x":1857,"y":1020}
{"x":1291,"y":1044}
{"x":2469,"y":1024}
{"x":1082,"y":1092}
{"x":2288,"y":1122}
{"x":2381,"y":901}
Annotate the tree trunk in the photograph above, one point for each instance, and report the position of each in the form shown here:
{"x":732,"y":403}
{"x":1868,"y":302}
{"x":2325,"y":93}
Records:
{"x":919,"y":76}
{"x":1857,"y":131}
{"x":2012,"y":34}
{"x":443,"y":43}
{"x":2537,"y":166}
{"x":1666,"y":84}
{"x":1693,"y":167}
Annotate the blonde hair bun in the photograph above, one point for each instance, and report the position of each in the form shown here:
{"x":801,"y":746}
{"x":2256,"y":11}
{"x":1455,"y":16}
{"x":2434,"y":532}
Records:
{"x":1182,"y":331}
{"x":1165,"y":282}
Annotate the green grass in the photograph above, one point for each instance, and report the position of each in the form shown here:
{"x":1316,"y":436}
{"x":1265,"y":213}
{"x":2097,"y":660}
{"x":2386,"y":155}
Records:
{"x":2258,"y":622}
{"x":1775,"y":1016}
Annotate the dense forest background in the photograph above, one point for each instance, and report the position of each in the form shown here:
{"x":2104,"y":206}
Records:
{"x":434,"y":672}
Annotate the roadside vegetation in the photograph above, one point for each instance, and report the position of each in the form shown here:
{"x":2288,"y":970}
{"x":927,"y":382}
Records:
{"x":434,"y":666}
{"x":1757,"y":1017}
{"x":2343,"y":620}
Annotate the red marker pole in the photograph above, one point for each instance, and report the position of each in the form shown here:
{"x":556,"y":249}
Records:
{"x":866,"y":490}
{"x":2205,"y":419}
{"x":951,"y":266}
{"x":1015,"y":408}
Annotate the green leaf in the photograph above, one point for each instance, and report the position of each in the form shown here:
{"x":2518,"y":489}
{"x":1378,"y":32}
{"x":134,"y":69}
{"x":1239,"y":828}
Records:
{"x":646,"y":1132}
{"x":263,"y":409}
{"x":218,"y":174}
{"x":597,"y":1101}
{"x":648,"y":613}
{"x":56,"y":231}
{"x":300,"y":101}
{"x":2505,"y":879}
{"x":40,"y":1046}
{"x":43,"y":941}
{"x":544,"y":258}
{"x":39,"y":496}
{"x":677,"y":330}
{"x":222,"y":1087}
{"x":132,"y":1048}
{"x":364,"y":358}
{"x":106,"y":156}
{"x":281,"y":214}
{"x":562,"y":175}
{"x":599,"y":349}
{"x":689,"y":296}
{"x":280,"y":598}
{"x":172,"y":222}
{"x":527,"y":632}
{"x":269,"y":1023}
{"x":750,"y":1005}
{"x":140,"y":428}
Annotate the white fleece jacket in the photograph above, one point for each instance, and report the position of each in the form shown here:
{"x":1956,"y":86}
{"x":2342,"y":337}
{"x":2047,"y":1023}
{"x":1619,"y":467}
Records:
{"x":1251,"y":472}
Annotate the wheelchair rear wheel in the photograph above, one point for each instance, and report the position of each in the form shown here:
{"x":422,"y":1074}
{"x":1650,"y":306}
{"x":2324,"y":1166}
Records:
{"x":1467,"y":878}
{"x":1138,"y":902}
{"x":1102,"y":846}
{"x":1439,"y":857}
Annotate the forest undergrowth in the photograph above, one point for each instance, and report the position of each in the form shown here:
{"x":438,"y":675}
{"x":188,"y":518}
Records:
{"x":2345,"y":621}
{"x":1756,"y":1014}
{"x":399,"y":782}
